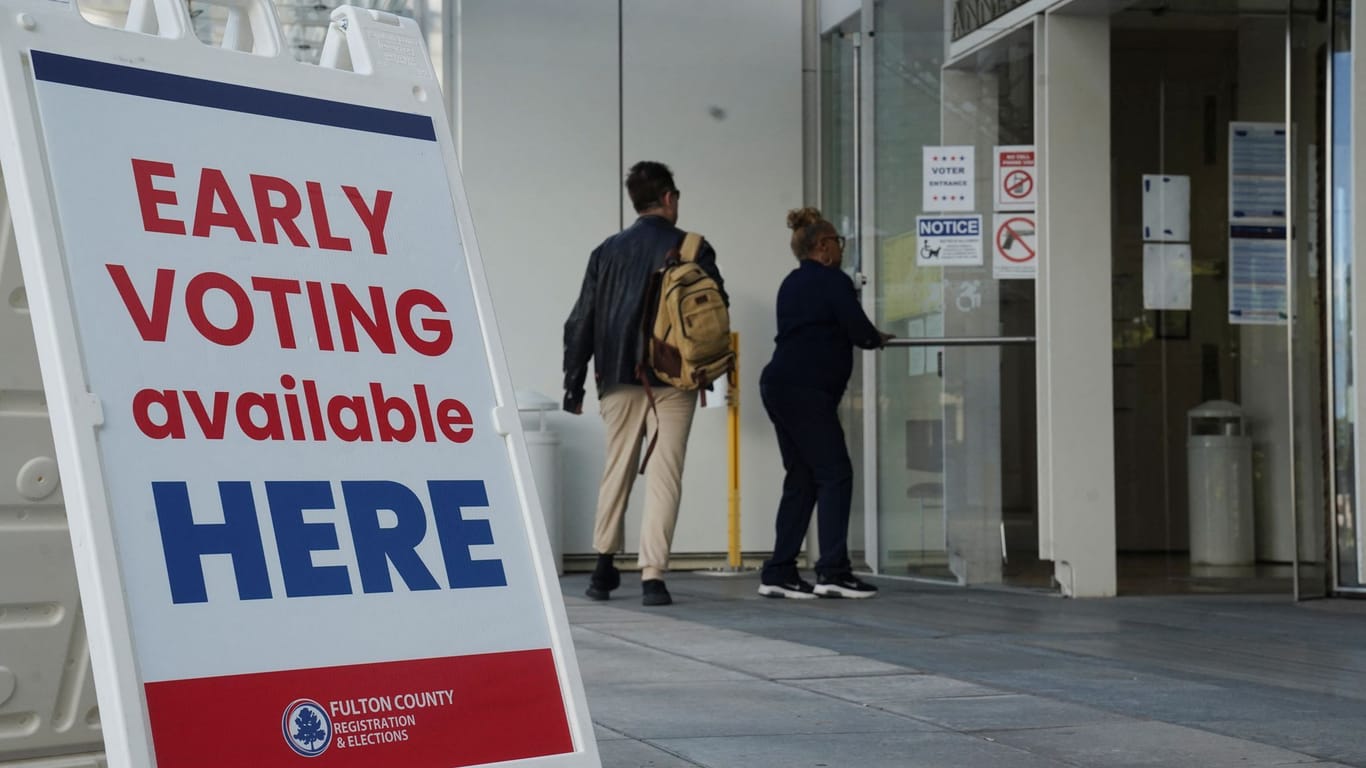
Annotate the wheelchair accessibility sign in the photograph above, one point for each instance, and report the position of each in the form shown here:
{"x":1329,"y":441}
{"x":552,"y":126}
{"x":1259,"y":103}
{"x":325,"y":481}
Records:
{"x":948,"y":241}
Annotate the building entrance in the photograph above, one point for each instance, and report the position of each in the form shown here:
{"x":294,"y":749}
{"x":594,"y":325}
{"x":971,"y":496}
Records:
{"x":1217,"y":297}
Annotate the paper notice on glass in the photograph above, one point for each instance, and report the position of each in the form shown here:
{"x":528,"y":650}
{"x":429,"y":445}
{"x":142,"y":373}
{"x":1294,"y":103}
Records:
{"x":1256,"y":186}
{"x":1257,"y":281}
{"x":1166,"y":276}
{"x":1166,"y":208}
{"x":950,"y":179}
{"x":718,"y":396}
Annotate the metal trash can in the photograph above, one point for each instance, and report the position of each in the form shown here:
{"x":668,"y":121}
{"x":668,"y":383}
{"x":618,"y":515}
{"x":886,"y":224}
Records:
{"x":1219,"y":471}
{"x":543,"y":447}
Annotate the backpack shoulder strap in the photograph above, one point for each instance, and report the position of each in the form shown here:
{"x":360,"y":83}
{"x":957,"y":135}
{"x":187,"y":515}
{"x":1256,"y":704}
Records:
{"x":692,"y":243}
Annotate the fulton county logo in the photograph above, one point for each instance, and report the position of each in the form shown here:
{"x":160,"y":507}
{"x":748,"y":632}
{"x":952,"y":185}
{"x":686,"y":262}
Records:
{"x":307,"y":728}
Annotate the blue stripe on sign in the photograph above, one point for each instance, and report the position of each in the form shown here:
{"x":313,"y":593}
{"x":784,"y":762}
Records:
{"x":115,"y":78}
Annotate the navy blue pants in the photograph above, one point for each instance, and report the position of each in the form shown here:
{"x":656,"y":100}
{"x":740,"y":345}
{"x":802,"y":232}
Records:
{"x":819,"y":474}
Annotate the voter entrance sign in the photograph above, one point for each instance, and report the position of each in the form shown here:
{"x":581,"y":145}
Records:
{"x":302,"y":510}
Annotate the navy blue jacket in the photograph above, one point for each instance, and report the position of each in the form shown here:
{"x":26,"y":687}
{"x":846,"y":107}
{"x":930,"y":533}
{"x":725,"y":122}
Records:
{"x":605,"y":322}
{"x":819,"y":324}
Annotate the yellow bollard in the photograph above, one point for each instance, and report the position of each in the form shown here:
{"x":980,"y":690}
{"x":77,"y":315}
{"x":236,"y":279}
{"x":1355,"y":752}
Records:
{"x":733,"y":412}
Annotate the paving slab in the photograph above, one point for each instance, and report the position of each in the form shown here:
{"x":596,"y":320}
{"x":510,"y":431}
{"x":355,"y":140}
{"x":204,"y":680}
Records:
{"x":882,"y":750}
{"x":816,"y":667}
{"x":899,"y":688}
{"x":1134,"y":744}
{"x":709,"y":643}
{"x":1339,"y":738}
{"x":994,"y":713}
{"x":606,"y":734}
{"x":606,"y":660}
{"x":589,"y":612}
{"x":725,"y":678}
{"x":636,"y":754}
{"x":757,"y":707}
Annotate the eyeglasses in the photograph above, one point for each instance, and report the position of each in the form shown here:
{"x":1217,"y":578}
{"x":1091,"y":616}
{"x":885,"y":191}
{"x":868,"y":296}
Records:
{"x":837,"y":238}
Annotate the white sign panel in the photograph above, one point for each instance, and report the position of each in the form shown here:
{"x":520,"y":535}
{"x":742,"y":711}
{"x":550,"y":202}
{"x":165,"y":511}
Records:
{"x":949,"y":179}
{"x":1166,"y":276}
{"x":1015,"y":242}
{"x":1258,"y":291}
{"x":329,"y":553}
{"x":1016,"y":176}
{"x":1166,"y":208}
{"x":949,"y":241}
{"x":1256,"y":170}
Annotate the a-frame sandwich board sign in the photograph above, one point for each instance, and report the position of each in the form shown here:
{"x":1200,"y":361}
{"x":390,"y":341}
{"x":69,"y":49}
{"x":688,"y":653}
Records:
{"x":301,"y":507}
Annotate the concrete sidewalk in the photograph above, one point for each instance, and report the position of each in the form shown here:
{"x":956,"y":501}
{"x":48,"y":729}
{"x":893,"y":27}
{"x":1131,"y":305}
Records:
{"x":929,"y":676}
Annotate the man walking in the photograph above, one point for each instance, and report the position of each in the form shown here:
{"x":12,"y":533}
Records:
{"x":605,"y":325}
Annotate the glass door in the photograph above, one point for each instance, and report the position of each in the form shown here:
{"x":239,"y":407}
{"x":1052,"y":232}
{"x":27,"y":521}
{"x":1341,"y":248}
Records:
{"x":1218,"y":325}
{"x":840,"y":202}
{"x":1338,"y":277}
{"x":957,"y":497}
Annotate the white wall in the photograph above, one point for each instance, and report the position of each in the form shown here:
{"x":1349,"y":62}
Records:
{"x":711,"y":87}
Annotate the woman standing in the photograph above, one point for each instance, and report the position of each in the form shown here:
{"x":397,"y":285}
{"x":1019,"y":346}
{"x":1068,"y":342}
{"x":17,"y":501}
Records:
{"x":819,"y":324}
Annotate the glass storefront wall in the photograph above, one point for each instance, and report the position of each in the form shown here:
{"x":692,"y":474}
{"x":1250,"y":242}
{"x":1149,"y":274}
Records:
{"x":1204,"y":113}
{"x":839,"y":84}
{"x":1338,"y":278}
{"x":955,"y":439}
{"x":955,"y":444}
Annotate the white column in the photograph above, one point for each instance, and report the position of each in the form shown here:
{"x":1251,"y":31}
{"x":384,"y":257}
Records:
{"x":1075,"y":375}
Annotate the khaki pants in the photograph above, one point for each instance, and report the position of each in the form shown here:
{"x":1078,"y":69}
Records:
{"x":626,"y":412}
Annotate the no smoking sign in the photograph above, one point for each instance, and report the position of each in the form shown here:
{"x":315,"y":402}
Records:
{"x":1015,"y":246}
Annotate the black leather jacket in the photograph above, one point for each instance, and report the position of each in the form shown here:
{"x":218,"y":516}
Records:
{"x":605,"y":322}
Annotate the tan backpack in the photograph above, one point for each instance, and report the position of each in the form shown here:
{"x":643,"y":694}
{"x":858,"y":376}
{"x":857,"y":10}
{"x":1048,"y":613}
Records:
{"x":687,"y":336}
{"x":685,"y":328}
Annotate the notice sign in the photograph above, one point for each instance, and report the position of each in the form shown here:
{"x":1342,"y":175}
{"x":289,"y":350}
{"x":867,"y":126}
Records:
{"x":1016,"y":179}
{"x":325,"y":554}
{"x":949,"y":241}
{"x":1256,"y":173}
{"x":950,"y":181}
{"x":1258,"y":289}
{"x":1016,"y":246}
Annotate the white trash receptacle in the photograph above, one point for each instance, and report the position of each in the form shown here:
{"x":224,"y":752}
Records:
{"x":543,"y":448}
{"x":1219,"y":470}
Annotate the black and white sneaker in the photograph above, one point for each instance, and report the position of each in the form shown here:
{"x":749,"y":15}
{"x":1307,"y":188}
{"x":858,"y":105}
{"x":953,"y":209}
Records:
{"x":795,"y":590}
{"x":844,"y":585}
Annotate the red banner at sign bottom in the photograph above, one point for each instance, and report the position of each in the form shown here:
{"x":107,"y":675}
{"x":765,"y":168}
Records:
{"x":427,"y":713}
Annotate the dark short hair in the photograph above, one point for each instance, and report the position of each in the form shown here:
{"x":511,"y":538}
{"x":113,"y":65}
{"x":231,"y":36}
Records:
{"x":647,"y":182}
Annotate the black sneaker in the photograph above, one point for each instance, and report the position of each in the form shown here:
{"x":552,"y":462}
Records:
{"x":653,"y":592}
{"x":844,"y":585}
{"x":796,"y":589}
{"x":605,"y":578}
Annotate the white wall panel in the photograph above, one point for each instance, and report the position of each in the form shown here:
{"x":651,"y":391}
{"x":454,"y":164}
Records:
{"x":713,"y":88}
{"x":539,"y":137}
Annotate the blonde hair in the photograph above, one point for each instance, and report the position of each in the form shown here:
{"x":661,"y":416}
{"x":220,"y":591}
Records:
{"x":806,"y":224}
